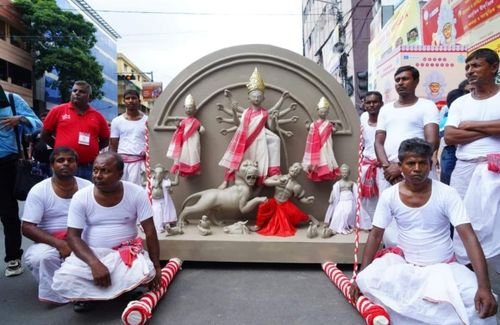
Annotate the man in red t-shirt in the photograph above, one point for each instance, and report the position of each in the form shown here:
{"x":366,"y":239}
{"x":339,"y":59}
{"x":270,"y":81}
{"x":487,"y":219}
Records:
{"x":79,"y":126}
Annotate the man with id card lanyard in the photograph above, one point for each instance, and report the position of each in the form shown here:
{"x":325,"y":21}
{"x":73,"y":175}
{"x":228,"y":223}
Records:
{"x":79,"y":126}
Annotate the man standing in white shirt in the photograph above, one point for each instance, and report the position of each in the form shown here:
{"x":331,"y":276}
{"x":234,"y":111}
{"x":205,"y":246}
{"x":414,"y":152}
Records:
{"x":369,"y":165}
{"x":474,"y":127}
{"x":128,"y":137}
{"x":45,"y":220}
{"x":403,"y":119}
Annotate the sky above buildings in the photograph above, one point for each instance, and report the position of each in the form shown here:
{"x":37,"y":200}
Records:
{"x":166,"y":36}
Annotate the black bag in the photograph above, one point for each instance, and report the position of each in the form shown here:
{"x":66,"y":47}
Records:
{"x":28,"y":172}
{"x":27,"y":175}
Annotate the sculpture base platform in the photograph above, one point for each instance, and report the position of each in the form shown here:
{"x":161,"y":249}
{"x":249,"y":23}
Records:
{"x":222,"y":247}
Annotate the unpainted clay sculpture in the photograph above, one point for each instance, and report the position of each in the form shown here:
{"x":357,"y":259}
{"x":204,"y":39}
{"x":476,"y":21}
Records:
{"x":184,"y":147}
{"x":237,"y":228}
{"x":163,"y":207}
{"x":340,"y":215}
{"x":233,"y":198}
{"x":204,"y":226}
{"x":319,"y":160}
{"x":312,"y":230}
{"x":278,"y":216}
{"x":255,"y":131}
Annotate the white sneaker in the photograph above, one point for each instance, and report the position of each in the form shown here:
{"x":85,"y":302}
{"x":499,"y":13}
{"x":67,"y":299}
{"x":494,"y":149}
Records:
{"x":13,"y":268}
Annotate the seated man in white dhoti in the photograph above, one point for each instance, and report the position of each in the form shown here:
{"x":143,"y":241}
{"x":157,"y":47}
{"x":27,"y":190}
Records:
{"x":108,"y":258}
{"x":128,"y":137}
{"x":420,"y":282}
{"x":44,"y":221}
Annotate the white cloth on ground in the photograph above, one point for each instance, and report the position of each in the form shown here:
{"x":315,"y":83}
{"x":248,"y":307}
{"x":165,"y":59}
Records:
{"x":109,"y":226}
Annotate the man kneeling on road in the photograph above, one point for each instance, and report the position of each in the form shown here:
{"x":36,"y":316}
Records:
{"x":420,"y":281}
{"x":45,"y":220}
{"x":108,"y":259}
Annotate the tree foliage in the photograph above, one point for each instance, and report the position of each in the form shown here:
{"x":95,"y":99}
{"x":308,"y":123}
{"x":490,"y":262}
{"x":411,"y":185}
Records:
{"x":61,"y":41}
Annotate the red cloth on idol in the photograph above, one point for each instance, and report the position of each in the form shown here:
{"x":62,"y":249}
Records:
{"x":279,"y":219}
{"x":242,"y":139}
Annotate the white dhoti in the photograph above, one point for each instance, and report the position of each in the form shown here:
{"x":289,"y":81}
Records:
{"x":482,"y":202}
{"x":436,"y":294}
{"x":43,"y":260}
{"x":75,"y":282}
{"x":132,"y":172}
{"x":461,"y":176}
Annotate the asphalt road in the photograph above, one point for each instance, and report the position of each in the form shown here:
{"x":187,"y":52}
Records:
{"x":205,"y":293}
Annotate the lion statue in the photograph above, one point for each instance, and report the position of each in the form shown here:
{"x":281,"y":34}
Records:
{"x":233,"y":198}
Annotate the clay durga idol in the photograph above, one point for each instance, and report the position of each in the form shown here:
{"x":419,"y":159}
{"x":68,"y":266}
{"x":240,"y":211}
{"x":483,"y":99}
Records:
{"x":253,"y":128}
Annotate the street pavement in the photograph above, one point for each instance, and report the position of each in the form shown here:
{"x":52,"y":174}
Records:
{"x":204,"y":293}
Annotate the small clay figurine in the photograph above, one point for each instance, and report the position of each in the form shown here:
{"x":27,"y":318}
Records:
{"x":278,"y":216}
{"x":326,"y":232}
{"x":340,"y":215}
{"x":312,"y":230}
{"x":163,"y":207}
{"x":184,"y":147}
{"x":237,"y":228}
{"x":173,"y":231}
{"x":204,"y":226}
{"x":319,"y":160}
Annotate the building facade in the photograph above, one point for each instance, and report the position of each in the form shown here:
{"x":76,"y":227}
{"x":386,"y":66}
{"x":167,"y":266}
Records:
{"x":105,"y":52}
{"x":16,"y":63}
{"x":336,"y":35}
{"x":129,"y":76}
